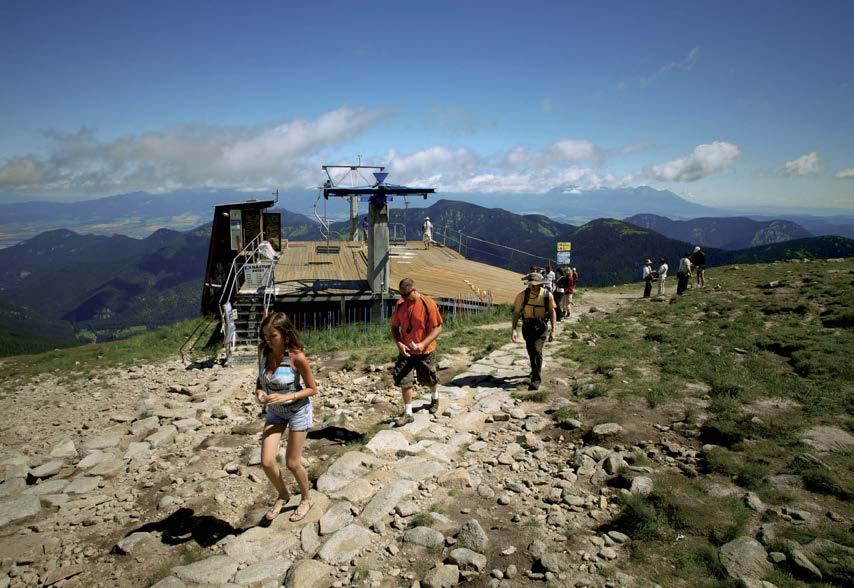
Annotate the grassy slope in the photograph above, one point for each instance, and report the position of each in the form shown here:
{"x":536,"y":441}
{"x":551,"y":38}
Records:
{"x":729,"y":348}
{"x":370,"y":343}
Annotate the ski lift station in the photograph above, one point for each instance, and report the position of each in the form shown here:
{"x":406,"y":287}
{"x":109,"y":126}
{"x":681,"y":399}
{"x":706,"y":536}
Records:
{"x":252,"y":271}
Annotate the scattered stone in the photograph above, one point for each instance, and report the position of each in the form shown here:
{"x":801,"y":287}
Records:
{"x":263,"y":572}
{"x":458,"y":478}
{"x":745,"y":558}
{"x":618,"y":537}
{"x":309,"y":573}
{"x":46,"y":470}
{"x":259,"y":544}
{"x":442,"y":576}
{"x":607,"y":430}
{"x":19,"y":508}
{"x":309,"y":540}
{"x":641,"y":486}
{"x":473,"y":536}
{"x":754,"y":502}
{"x":345,"y":545}
{"x":802,"y":564}
{"x":424,"y":536}
{"x":65,"y":449}
{"x":217,"y":569}
{"x":386,"y":499}
{"x":337,"y":517}
{"x":387,"y":441}
{"x":127,"y":545}
{"x":468,"y":560}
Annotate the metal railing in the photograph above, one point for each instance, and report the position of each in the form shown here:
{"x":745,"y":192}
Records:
{"x":246,"y":256}
{"x":456,"y":239}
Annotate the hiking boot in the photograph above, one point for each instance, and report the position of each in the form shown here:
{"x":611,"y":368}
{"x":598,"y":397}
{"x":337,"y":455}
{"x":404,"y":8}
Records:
{"x":534,"y":386}
{"x":404,"y":420}
{"x":434,"y":406}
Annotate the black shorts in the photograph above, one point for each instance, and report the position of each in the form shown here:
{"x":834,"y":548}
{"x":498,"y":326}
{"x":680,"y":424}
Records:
{"x":424,"y":366}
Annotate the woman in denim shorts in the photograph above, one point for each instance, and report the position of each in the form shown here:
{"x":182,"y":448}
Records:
{"x":285,"y":386}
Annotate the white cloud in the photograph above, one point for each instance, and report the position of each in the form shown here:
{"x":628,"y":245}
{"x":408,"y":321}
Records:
{"x":845,"y":174}
{"x":684,"y":64}
{"x":804,"y":165}
{"x":704,"y":161}
{"x":517,"y":170}
{"x":273,"y":155}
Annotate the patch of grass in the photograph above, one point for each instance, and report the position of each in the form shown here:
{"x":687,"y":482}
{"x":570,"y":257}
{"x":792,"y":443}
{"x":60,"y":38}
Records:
{"x":564,"y":414}
{"x":79,"y":362}
{"x":422,"y":519}
{"x":539,"y":396}
{"x":823,"y":481}
{"x":637,"y":518}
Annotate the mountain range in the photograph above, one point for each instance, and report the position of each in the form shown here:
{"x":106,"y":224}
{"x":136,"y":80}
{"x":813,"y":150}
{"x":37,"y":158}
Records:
{"x":62,"y":287}
{"x":725,"y":232}
{"x":138,"y":214}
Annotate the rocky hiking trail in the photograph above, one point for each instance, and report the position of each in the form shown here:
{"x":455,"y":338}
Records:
{"x":150,"y":475}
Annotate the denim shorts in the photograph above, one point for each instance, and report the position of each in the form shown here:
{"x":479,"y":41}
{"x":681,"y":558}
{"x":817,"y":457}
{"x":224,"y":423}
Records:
{"x":298,"y":416}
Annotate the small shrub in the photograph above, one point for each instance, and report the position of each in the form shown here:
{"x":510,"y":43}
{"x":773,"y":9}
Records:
{"x":564,"y":414}
{"x":637,"y":518}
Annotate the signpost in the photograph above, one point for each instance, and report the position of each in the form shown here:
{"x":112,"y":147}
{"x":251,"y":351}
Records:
{"x":564,"y":252}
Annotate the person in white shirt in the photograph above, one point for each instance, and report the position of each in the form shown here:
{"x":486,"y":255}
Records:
{"x":683,"y":275}
{"x":662,"y":275}
{"x":427,"y":232}
{"x":647,"y":278}
{"x":549,"y":279}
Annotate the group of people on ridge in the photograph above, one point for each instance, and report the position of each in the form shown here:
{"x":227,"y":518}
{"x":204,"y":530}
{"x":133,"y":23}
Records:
{"x":690,"y":264}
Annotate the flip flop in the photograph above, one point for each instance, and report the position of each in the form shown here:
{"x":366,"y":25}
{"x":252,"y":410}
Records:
{"x":274,"y":511}
{"x":300,"y":514}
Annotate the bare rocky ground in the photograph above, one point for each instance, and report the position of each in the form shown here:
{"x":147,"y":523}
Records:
{"x":150,"y":476}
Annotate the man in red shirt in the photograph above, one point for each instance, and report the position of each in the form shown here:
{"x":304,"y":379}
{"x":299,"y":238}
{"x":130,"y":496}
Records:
{"x":415,"y":325}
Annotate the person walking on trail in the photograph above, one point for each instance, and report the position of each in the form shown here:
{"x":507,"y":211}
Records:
{"x":284,"y":386}
{"x":561,"y":283}
{"x":415,"y":325}
{"x":662,"y":275}
{"x":536,"y":307}
{"x":698,"y":260}
{"x":549,"y":279}
{"x":683,"y":274}
{"x":647,"y":278}
{"x":427,"y":232}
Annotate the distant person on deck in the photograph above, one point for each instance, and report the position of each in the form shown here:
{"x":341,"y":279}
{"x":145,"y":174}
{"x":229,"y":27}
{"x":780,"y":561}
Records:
{"x":536,"y":307}
{"x":415,"y":325}
{"x":647,"y":278}
{"x":427,"y":232}
{"x":683,"y":275}
{"x":662,"y":275}
{"x":363,"y":226}
{"x":698,"y":260}
{"x":284,"y":386}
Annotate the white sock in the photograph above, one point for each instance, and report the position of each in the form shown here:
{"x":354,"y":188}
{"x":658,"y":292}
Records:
{"x":407,"y":408}
{"x":434,"y":395}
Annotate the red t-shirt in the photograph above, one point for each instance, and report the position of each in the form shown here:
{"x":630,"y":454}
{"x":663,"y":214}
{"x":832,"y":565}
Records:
{"x":422,"y":316}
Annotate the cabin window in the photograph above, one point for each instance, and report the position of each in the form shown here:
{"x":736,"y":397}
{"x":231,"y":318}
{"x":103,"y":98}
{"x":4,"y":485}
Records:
{"x":236,"y":222}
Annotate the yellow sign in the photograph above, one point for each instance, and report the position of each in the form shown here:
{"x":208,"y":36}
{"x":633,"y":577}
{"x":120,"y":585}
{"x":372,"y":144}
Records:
{"x":564,"y":246}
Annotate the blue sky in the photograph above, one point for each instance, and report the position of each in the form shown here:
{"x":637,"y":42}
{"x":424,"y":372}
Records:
{"x":738,"y":103}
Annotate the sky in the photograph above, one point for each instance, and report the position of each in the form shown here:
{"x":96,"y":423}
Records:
{"x":725,"y":103}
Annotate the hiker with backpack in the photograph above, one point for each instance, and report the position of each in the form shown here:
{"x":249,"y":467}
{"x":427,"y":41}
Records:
{"x":536,"y":307}
{"x":415,"y":324}
{"x":647,"y":278}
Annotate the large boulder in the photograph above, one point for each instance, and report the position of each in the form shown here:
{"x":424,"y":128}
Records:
{"x":309,"y":573}
{"x":745,"y":558}
{"x":345,"y":545}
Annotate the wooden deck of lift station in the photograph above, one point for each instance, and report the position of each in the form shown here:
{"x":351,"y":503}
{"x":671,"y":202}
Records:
{"x":304,"y":273}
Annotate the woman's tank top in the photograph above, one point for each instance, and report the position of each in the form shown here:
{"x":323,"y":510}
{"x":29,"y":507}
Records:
{"x":284,"y":379}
